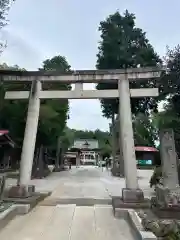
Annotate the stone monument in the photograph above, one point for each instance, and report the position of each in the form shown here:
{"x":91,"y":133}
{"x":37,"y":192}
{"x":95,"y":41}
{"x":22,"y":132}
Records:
{"x":169,"y":159}
{"x":168,"y":194}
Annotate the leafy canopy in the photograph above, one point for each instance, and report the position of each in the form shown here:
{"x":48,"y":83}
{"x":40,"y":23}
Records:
{"x":123,"y":45}
{"x":170,"y":92}
{"x":53,"y":113}
{"x":4,"y":8}
{"x":52,"y":127}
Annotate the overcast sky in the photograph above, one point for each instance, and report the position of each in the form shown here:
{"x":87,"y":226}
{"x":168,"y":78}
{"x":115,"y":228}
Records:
{"x":40,"y":29}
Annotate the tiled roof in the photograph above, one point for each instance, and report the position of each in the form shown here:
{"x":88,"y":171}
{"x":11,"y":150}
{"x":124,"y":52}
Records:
{"x":86,"y":144}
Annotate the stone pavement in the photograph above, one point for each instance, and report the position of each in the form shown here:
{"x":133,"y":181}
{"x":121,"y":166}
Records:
{"x":91,"y":182}
{"x":86,"y":181}
{"x":69,"y":221}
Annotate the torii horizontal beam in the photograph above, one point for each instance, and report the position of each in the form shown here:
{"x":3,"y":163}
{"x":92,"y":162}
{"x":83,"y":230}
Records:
{"x":83,"y":76}
{"x":83,"y":94}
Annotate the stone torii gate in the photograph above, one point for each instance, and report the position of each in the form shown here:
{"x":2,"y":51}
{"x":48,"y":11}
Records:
{"x":122,"y":77}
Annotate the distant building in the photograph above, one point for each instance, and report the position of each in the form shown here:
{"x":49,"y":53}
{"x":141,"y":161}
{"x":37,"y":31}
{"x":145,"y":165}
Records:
{"x":145,"y":155}
{"x":88,"y":150}
{"x":71,"y":157}
{"x":82,"y":144}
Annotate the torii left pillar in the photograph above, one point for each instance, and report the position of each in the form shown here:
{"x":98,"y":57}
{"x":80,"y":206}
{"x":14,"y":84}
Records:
{"x":24,"y":189}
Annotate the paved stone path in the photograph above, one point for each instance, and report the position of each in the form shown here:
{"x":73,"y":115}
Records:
{"x":67,"y":222}
{"x":88,"y":182}
{"x":70,"y":221}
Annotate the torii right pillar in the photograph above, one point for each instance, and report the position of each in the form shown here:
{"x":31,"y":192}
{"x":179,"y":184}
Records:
{"x":131,"y":193}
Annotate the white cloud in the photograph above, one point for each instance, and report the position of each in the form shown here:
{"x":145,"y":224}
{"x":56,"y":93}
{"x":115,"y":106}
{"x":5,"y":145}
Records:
{"x":86,"y":114}
{"x":19,"y":51}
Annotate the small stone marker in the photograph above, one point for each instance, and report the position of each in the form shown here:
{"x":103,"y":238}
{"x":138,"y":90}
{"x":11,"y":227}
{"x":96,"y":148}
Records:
{"x":132,"y":195}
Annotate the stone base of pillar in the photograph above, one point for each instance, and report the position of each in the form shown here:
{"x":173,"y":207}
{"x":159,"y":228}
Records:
{"x":132,"y":195}
{"x":21,"y":191}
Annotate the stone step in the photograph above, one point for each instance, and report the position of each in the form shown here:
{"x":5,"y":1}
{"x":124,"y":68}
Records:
{"x":83,"y":225}
{"x":67,"y":222}
{"x":28,"y":226}
{"x":77,"y":201}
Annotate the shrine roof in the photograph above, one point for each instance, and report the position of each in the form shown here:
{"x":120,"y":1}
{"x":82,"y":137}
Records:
{"x":3,"y":132}
{"x":5,"y":138}
{"x":86,"y":144}
{"x":145,"y":149}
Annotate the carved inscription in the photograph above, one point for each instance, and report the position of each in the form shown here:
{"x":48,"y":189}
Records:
{"x":168,"y":159}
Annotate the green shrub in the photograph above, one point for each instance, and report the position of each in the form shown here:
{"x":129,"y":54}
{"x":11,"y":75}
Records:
{"x":156,"y":177}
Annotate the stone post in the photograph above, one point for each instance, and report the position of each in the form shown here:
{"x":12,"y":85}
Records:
{"x":29,"y":142}
{"x":121,"y":160}
{"x":24,"y":189}
{"x":58,"y":160}
{"x":131,"y":192}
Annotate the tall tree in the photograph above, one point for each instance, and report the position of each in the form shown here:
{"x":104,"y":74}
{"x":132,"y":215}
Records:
{"x":122,"y":46}
{"x":145,"y":133}
{"x":4,"y":8}
{"x":12,"y":113}
{"x":170,"y":92}
{"x":52,"y":128}
{"x":170,"y":83}
{"x":53,"y":113}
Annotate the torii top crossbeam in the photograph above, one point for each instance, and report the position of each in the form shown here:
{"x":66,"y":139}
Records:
{"x":81,"y":76}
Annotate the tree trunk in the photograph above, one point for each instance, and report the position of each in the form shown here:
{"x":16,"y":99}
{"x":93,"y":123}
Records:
{"x":58,"y":151}
{"x":113,"y":134}
{"x":61,"y":159}
{"x":58,"y":164}
{"x":40,"y":166}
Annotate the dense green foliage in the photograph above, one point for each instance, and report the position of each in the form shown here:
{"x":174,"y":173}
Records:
{"x":122,"y":46}
{"x":170,"y":86}
{"x":53,"y":113}
{"x":12,"y":113}
{"x":145,"y":133}
{"x":156,"y":177}
{"x":4,"y":8}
